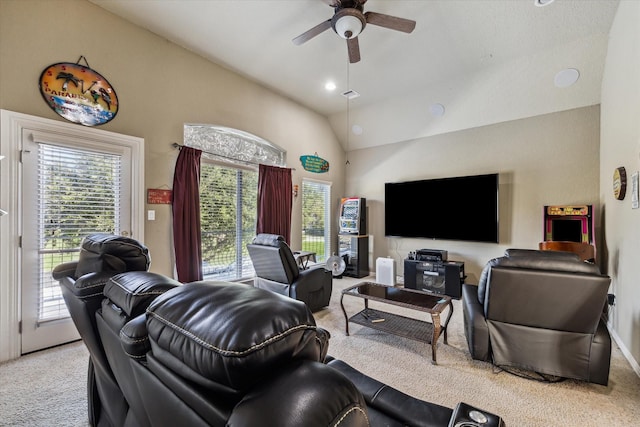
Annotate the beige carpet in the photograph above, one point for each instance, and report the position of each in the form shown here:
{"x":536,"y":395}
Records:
{"x":49,"y":387}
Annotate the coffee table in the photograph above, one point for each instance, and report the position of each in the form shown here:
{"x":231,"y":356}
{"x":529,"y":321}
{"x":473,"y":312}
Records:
{"x":420,"y":330}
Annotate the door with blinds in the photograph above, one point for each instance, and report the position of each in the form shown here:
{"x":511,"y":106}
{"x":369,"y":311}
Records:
{"x":71,"y":188}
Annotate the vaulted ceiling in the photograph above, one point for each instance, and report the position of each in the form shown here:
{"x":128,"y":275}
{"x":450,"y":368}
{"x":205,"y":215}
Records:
{"x":468,"y":63}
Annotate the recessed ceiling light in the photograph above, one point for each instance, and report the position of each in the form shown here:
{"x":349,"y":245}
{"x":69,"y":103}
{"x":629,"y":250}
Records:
{"x":356,"y":129}
{"x":541,"y":3}
{"x":566,"y":78}
{"x":330,"y":86}
{"x":436,"y":110}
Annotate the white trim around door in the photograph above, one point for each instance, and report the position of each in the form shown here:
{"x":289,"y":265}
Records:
{"x":12,"y":127}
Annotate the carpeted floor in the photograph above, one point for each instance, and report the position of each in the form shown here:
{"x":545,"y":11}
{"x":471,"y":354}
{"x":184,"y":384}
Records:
{"x":49,"y":387}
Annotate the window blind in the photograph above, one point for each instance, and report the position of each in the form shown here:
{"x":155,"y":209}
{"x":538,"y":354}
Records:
{"x":228,"y":200}
{"x":78,"y":194}
{"x":316,"y":218}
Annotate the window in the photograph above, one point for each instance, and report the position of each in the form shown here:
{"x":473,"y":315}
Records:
{"x":228,"y":199}
{"x":229,"y":196}
{"x":316,"y":218}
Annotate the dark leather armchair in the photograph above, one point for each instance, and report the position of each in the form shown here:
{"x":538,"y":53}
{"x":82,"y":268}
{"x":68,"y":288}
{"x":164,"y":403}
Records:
{"x":228,"y":354}
{"x":127,"y":296}
{"x":540,"y":311}
{"x":102,"y":256}
{"x":277,"y":271}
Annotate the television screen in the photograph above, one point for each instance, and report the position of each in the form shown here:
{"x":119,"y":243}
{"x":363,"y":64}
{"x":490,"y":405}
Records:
{"x":459,"y":208}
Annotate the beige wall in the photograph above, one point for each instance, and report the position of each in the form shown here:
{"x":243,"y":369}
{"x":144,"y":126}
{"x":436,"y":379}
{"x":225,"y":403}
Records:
{"x":160,"y":87}
{"x":545,"y":160}
{"x":620,"y":146}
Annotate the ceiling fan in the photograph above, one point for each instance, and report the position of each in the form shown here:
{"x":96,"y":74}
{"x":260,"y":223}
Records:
{"x":349,"y":20}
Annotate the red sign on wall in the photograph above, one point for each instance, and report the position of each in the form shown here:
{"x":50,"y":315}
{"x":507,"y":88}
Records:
{"x":157,"y":196}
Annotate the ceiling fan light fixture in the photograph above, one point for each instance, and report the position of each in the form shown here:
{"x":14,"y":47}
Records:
{"x":348,"y":23}
{"x":541,"y":3}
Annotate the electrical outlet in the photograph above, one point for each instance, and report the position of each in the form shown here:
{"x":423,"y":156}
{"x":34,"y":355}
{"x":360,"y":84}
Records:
{"x":151,"y":215}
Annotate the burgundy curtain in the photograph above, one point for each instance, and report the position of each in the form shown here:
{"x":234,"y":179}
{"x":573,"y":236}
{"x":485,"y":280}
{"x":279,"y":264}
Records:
{"x":275,"y":200}
{"x":186,"y":215}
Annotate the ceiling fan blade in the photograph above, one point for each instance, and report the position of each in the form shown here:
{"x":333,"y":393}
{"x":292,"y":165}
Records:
{"x":308,"y":35}
{"x":391,"y":22}
{"x":354,"y":50}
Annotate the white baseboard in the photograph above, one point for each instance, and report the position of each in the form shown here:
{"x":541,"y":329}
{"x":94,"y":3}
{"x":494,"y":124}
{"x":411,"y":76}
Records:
{"x":625,"y":351}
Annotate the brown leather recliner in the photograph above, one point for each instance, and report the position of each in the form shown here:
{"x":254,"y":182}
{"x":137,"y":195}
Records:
{"x":277,"y":271}
{"x":540,"y":311}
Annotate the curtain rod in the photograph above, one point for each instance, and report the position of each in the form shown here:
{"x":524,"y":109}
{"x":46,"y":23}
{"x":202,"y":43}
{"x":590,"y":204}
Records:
{"x":179,"y":147}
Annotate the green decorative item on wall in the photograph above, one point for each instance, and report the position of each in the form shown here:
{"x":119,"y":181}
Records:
{"x":314,"y":163}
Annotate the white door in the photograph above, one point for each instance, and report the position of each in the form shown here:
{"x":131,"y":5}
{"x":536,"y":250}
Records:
{"x":71,"y":186}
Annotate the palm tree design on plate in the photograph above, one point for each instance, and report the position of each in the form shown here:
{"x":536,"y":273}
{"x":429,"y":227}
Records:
{"x":68,"y":77}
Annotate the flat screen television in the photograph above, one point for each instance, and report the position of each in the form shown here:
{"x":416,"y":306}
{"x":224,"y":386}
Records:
{"x":459,"y":208}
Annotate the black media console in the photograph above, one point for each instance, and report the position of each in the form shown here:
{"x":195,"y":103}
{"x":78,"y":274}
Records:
{"x":440,"y":277}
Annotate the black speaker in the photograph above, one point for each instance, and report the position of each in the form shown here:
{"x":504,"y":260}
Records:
{"x":443,"y":278}
{"x":355,"y":252}
{"x":453,"y":278}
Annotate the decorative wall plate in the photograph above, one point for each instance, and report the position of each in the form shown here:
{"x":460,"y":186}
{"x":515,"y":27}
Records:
{"x":619,"y":183}
{"x":78,"y":93}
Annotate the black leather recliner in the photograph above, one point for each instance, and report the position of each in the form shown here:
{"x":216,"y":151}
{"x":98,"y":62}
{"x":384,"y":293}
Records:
{"x":82,"y":282}
{"x":228,"y":354}
{"x":219,"y":353}
{"x":540,"y":311}
{"x":126,"y":296}
{"x":277,"y":271}
{"x":222,"y":353}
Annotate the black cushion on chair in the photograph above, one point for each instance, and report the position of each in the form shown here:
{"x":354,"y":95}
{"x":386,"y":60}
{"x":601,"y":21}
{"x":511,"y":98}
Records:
{"x":231,"y":334}
{"x":513,"y":252}
{"x":268,"y":239}
{"x":537,"y":260}
{"x":133,"y":291}
{"x":111,"y":253}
